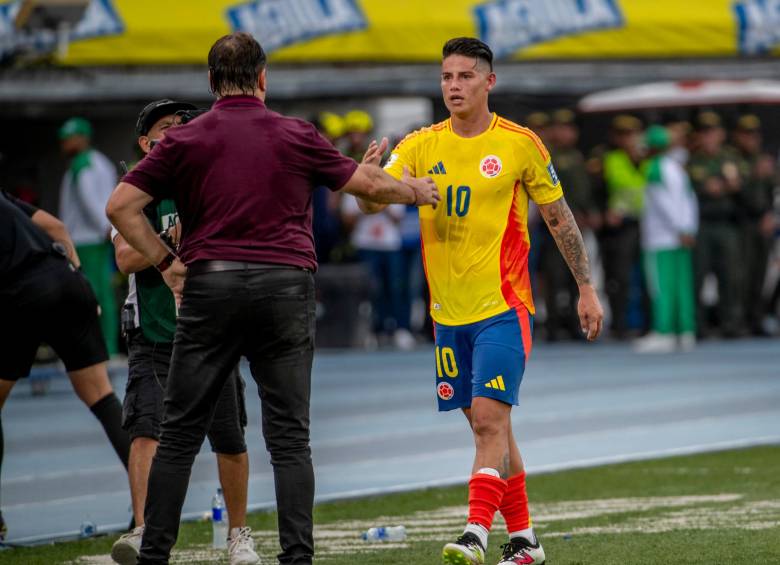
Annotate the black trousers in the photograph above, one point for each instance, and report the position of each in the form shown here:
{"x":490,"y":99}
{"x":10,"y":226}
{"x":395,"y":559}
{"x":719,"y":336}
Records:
{"x":620,"y":252}
{"x":267,"y":316}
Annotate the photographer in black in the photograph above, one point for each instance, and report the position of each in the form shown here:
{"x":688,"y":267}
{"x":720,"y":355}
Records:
{"x":44,"y":298}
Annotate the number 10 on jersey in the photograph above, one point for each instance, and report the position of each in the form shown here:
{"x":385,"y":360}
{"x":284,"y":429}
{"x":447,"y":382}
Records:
{"x":445,"y":362}
{"x":458,"y":200}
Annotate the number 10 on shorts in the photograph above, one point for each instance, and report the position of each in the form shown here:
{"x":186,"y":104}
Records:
{"x":445,"y":362}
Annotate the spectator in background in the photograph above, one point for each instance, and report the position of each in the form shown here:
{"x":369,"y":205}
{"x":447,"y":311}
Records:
{"x":715,"y":178}
{"x":413,"y":293}
{"x":326,"y":204}
{"x":679,"y":133}
{"x":539,"y":123}
{"x":668,"y":227}
{"x":358,"y":125}
{"x":625,"y":185}
{"x":758,"y":172}
{"x":560,"y":290}
{"x":85,"y":190}
{"x":377,"y":239}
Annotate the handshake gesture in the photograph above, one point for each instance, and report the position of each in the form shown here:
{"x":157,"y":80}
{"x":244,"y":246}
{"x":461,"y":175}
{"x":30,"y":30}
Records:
{"x":425,"y":191}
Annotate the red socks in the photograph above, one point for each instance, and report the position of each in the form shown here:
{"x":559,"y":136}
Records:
{"x":514,"y":505}
{"x":485,"y":495}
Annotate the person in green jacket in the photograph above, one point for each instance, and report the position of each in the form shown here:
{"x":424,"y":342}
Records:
{"x":86,"y":187}
{"x":669,"y":222}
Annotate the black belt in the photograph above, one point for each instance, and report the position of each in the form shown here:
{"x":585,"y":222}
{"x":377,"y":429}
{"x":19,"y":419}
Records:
{"x":217,"y":266}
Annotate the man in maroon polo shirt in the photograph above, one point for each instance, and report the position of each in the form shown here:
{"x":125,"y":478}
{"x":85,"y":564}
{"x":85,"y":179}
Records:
{"x":242,"y":178}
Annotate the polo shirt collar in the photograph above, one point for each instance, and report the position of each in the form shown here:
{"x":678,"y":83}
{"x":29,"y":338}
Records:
{"x":240,"y":100}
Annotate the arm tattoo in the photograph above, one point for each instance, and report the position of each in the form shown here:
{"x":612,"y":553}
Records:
{"x":567,"y":236}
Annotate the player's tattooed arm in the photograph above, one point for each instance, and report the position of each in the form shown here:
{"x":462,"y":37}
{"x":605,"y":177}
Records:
{"x":567,"y":236}
{"x":566,"y":233}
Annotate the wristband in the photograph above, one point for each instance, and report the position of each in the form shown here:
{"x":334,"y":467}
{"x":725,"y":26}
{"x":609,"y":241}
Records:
{"x":166,"y":262}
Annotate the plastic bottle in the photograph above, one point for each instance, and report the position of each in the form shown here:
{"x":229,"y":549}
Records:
{"x":384,"y":533}
{"x":219,"y":521}
{"x":88,"y":529}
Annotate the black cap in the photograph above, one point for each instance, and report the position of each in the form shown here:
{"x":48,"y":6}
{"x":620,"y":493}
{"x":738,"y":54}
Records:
{"x":156,"y":110}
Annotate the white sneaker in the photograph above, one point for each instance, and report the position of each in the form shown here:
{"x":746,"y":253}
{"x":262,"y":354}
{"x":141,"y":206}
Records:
{"x":655,"y":343}
{"x":241,"y":547}
{"x":687,"y":342}
{"x":126,"y":549}
{"x":404,"y":340}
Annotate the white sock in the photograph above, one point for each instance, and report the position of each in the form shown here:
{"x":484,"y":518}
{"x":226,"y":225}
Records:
{"x":478,"y":530}
{"x":527,"y":533}
{"x":489,"y":471}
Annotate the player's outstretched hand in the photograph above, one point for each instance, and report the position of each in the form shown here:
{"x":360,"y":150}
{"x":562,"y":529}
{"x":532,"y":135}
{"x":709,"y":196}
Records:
{"x":590,"y":312}
{"x":424,"y":188}
{"x":373,"y":155}
{"x":174,"y":277}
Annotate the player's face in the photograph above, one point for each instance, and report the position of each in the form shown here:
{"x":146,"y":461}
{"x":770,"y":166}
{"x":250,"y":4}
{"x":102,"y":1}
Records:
{"x":157,"y":132}
{"x":465,"y":84}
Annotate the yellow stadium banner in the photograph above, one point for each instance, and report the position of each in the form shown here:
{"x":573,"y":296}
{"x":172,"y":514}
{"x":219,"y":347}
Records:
{"x":148,"y":32}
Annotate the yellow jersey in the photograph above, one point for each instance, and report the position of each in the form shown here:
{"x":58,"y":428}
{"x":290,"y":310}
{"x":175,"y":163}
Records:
{"x":475,"y":243}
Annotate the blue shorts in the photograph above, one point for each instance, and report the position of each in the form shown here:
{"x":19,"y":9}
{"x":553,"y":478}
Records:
{"x":486,"y":358}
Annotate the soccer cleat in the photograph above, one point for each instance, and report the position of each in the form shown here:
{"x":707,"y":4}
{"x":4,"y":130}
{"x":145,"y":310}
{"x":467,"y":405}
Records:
{"x":467,"y":550}
{"x":126,"y":549}
{"x":520,"y":551}
{"x":241,"y":547}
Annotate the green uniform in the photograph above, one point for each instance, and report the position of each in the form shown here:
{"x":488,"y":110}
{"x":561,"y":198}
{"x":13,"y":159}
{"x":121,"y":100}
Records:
{"x":670,"y":212}
{"x":757,"y":200}
{"x":86,"y":187}
{"x":718,"y":248}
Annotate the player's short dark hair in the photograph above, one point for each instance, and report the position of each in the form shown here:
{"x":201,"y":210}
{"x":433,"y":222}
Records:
{"x":468,"y":47}
{"x":235,"y":62}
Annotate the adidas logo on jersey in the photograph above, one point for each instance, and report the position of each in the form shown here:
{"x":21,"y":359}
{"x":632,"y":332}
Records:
{"x":497,"y":383}
{"x":437,"y":169}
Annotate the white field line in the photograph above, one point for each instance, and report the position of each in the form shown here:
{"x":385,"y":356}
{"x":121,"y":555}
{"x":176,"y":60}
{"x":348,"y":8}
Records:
{"x":700,"y":512}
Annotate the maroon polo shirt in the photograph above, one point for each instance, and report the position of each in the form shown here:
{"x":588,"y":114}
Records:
{"x":242,"y":178}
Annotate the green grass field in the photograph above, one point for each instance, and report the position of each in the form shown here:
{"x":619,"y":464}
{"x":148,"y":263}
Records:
{"x":704,"y":509}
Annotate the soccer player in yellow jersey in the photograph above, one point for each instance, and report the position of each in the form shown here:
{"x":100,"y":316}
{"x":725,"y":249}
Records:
{"x":475,"y":253}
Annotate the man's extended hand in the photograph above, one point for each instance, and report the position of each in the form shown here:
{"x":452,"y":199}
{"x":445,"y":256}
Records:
{"x":590,"y":312}
{"x":424,"y":188}
{"x":174,"y":277}
{"x":373,"y":155}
